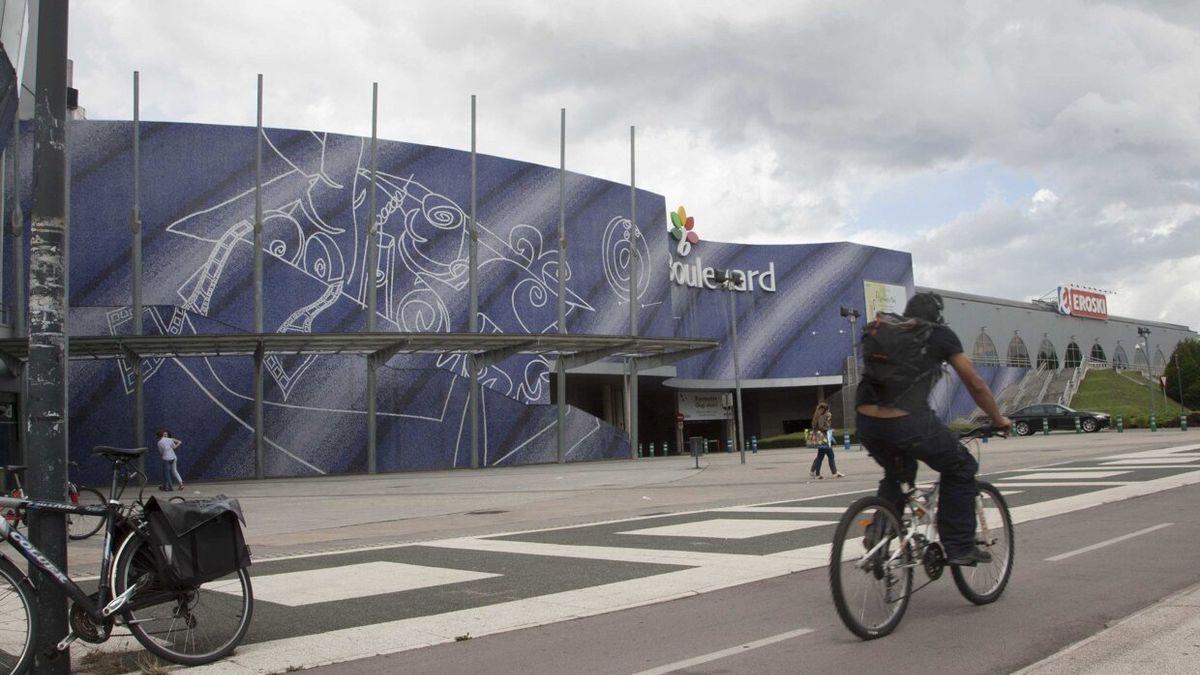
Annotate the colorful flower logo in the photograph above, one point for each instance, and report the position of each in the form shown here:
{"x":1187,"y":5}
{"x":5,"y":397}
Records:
{"x":682,"y":229}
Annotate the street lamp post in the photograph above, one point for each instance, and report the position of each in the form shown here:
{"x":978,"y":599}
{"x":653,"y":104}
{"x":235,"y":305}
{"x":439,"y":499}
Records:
{"x":852,"y":315}
{"x":1179,"y":380}
{"x":730,"y":280}
{"x":1144,"y":334}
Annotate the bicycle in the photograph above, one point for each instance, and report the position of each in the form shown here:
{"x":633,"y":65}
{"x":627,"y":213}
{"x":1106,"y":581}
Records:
{"x":78,"y":526}
{"x":190,"y":626}
{"x":876,"y":548}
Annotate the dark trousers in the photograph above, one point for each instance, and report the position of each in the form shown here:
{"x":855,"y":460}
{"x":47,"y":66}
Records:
{"x":896,"y":444}
{"x":822,"y":452}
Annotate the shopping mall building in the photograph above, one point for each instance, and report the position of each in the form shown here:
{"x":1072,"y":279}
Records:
{"x":197,"y":206}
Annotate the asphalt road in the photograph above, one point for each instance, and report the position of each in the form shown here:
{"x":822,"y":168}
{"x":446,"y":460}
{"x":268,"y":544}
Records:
{"x":1048,"y":605}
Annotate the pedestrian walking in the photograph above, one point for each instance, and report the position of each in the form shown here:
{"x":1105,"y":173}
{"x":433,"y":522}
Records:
{"x":166,"y":449}
{"x":822,"y":437}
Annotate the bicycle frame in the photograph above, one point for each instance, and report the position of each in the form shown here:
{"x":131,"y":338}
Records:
{"x":38,"y":560}
{"x":102,"y":608}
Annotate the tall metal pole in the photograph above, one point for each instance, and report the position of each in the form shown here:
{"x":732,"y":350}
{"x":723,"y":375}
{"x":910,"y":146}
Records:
{"x":737,"y":370}
{"x":18,"y":233}
{"x":1179,"y":378}
{"x":562,"y":282}
{"x":259,"y":449}
{"x":633,"y":293}
{"x":135,"y":224}
{"x":473,"y":307}
{"x":47,"y":353}
{"x":3,"y":212}
{"x":372,"y":234}
{"x":18,"y":267}
{"x":369,"y":280}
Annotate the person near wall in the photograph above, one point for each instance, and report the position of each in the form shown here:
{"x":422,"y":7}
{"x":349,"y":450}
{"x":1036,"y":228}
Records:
{"x":822,"y":436}
{"x":166,"y":450}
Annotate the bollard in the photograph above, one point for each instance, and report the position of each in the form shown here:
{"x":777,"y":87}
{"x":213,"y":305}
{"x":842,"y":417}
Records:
{"x":641,"y":450}
{"x":653,"y":449}
{"x":729,"y":444}
{"x":846,"y":439}
{"x":1183,"y":422}
{"x":754,"y":444}
{"x":1153,"y":423}
{"x":1120,"y":424}
{"x":1045,"y":427}
{"x":1078,"y":429}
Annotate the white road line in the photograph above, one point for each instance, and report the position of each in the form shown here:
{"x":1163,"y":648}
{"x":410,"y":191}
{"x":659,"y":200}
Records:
{"x":327,"y":584}
{"x":1107,"y":542}
{"x":729,"y":528}
{"x":1051,"y":483}
{"x":1069,"y":474}
{"x":713,"y":656}
{"x":783,"y":509}
{"x":1155,"y":460}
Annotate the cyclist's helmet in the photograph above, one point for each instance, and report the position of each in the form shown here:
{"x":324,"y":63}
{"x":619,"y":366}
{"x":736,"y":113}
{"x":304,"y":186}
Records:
{"x":927,"y":306}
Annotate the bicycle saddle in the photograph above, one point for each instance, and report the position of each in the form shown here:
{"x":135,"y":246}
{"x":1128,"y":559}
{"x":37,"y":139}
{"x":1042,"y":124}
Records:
{"x":116,"y":454}
{"x":15,"y":468}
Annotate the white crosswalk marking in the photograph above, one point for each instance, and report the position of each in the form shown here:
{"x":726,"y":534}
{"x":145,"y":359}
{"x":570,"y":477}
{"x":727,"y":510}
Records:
{"x":728,"y":528}
{"x":295,"y":589}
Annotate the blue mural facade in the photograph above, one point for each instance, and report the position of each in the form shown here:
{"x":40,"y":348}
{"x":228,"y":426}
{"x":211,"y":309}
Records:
{"x":197,"y":210}
{"x":787,"y":310}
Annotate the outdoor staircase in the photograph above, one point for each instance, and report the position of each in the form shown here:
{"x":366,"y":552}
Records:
{"x":1058,"y":386}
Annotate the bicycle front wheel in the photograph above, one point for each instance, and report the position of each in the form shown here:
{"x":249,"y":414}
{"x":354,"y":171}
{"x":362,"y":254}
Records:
{"x":870,"y":573}
{"x":81,"y":526}
{"x":984,"y":582}
{"x":16,"y":620}
{"x":190,"y":627}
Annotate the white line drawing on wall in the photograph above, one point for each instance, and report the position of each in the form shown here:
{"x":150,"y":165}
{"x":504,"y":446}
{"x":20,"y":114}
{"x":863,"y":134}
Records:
{"x":615,"y":254}
{"x":313,"y":211}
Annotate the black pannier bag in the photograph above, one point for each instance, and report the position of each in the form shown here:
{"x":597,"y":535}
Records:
{"x":196,"y":541}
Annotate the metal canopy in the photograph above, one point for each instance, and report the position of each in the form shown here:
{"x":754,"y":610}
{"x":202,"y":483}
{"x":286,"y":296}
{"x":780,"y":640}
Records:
{"x":247,"y":344}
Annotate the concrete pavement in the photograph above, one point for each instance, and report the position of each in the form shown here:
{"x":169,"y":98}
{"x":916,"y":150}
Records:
{"x":1163,"y":638}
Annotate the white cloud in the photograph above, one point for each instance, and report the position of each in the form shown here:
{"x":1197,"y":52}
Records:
{"x":770,"y":121}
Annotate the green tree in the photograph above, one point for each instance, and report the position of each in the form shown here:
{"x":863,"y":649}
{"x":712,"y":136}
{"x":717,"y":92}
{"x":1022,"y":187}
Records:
{"x":1185,"y":361}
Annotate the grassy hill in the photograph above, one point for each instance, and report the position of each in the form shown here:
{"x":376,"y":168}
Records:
{"x":1127,"y":394}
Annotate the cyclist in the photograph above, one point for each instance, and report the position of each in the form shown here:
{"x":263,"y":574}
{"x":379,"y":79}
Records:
{"x":897,"y":426}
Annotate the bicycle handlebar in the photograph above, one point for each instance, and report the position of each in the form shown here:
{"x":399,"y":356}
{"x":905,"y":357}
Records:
{"x":985,"y":431}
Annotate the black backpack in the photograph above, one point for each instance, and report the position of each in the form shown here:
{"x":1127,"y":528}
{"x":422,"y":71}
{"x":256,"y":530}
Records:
{"x":896,"y":357}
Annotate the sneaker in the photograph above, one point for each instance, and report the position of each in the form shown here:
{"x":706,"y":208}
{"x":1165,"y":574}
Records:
{"x":971,"y":558}
{"x":813,"y":474}
{"x":839,"y":475}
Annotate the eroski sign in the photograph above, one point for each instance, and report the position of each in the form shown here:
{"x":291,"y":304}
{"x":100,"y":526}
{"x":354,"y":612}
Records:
{"x":1078,"y":302}
{"x":696,"y":275}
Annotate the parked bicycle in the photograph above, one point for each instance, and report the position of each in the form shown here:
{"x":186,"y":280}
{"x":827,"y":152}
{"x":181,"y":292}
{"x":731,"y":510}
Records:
{"x":78,"y":526}
{"x":189,"y":623}
{"x":876,"y":549}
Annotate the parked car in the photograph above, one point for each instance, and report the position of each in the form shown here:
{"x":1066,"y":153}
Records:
{"x":1028,"y":420}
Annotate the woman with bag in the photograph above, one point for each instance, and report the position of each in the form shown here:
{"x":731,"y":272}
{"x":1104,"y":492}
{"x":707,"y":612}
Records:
{"x":821,"y":437}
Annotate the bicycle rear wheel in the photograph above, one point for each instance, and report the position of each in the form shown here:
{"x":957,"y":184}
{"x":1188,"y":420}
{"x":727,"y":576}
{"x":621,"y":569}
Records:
{"x":869,"y":571}
{"x":16,"y":620}
{"x":190,"y":627}
{"x":984,"y":582}
{"x":81,"y":526}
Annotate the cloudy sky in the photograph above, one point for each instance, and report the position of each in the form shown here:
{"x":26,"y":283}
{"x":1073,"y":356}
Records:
{"x":1010,"y":146}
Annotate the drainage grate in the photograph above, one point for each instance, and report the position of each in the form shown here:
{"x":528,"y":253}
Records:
{"x":484,"y":513}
